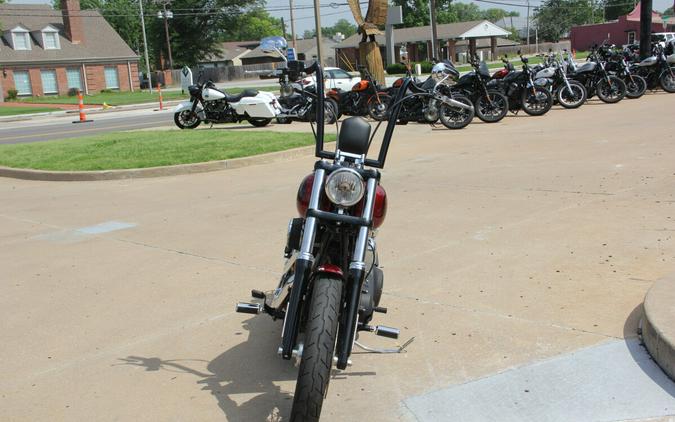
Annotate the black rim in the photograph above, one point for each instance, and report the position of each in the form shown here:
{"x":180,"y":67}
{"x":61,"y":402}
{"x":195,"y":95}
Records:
{"x":188,"y":118}
{"x":492,"y":106}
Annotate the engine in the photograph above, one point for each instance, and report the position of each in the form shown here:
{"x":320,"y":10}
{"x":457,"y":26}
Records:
{"x":220,"y":111}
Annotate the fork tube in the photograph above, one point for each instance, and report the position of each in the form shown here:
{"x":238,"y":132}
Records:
{"x":356,"y":274}
{"x":302,"y":266}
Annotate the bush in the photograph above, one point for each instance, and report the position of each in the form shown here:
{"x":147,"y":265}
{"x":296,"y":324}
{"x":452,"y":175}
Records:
{"x":72,"y":92}
{"x":12,"y":94}
{"x":400,"y":68}
{"x":106,"y":91}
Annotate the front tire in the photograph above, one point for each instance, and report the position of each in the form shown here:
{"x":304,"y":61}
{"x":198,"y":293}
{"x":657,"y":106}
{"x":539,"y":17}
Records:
{"x":635,"y":86}
{"x":491,"y":108}
{"x":455,"y":117}
{"x":378,"y":110}
{"x":317,"y":354}
{"x":611,"y":92}
{"x":186,"y":119}
{"x":537,"y":102}
{"x":259,"y":122}
{"x":573,"y":97}
{"x":667,"y":81}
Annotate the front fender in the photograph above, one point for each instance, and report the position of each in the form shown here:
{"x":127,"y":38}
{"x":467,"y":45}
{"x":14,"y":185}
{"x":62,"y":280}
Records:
{"x":329,"y":269}
{"x":187,"y":105}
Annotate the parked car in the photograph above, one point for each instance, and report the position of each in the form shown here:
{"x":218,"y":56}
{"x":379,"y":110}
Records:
{"x":336,"y":78}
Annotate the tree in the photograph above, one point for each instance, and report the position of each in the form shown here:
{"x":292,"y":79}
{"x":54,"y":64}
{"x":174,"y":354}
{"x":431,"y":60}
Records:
{"x":556,"y":17}
{"x":416,"y":12}
{"x":667,"y":12}
{"x":254,"y":24}
{"x":616,"y":8}
{"x":342,"y":26}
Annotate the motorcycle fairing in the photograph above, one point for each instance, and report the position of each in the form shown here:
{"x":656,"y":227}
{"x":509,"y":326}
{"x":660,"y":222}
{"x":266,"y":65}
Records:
{"x":187,"y":105}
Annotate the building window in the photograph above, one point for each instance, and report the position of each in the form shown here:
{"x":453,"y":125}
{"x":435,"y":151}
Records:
{"x":74,"y":78}
{"x":111,"y":79}
{"x":631,"y":37}
{"x":49,"y":85}
{"x":21,"y":40}
{"x":51,"y":40}
{"x":22,"y":83}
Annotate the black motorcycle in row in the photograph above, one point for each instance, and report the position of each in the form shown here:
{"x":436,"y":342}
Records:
{"x":366,"y":98}
{"x":299,"y":102}
{"x":332,"y":282}
{"x":659,"y":68}
{"x":552,"y":75}
{"x":522,"y":92}
{"x":617,"y":63}
{"x":490,"y":104}
{"x":595,"y":78}
{"x":434,"y":99}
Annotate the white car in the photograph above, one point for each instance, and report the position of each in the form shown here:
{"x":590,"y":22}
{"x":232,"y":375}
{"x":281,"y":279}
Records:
{"x":335,"y":78}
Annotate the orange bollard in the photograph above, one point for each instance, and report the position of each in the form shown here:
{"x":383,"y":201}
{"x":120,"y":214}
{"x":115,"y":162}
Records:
{"x":574,"y":54}
{"x":83,"y":117}
{"x":161,"y":104}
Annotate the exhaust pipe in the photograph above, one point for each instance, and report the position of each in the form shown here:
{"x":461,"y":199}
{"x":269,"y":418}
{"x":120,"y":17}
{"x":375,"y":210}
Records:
{"x":455,"y":103}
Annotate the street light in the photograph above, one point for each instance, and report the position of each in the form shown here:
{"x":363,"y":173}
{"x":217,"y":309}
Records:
{"x":166,"y":15}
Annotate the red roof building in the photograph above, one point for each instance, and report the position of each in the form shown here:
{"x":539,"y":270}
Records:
{"x":624,"y":30}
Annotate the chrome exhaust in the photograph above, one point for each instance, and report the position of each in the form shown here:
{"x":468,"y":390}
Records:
{"x":455,"y":103}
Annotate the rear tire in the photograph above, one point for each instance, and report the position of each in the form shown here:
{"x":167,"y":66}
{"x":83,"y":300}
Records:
{"x":259,"y":122}
{"x":573,"y":99}
{"x":455,"y":117}
{"x":492,"y":108}
{"x":611,"y":93}
{"x":186,"y":119}
{"x":536,"y":103}
{"x":667,"y":81}
{"x":317,"y":354}
{"x":635,"y":86}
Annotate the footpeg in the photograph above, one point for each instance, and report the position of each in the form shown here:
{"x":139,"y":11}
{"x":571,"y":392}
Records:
{"x":388,"y":332}
{"x":249,"y":308}
{"x":380,"y":309}
{"x":258,"y":294}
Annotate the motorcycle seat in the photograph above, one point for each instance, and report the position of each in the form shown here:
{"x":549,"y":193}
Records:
{"x":237,"y":97}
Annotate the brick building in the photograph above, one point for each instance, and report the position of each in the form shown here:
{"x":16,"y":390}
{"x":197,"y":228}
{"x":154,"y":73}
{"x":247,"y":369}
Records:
{"x":46,"y":52}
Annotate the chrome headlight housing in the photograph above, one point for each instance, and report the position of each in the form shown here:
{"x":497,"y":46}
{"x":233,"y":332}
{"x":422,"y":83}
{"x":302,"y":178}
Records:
{"x":286,"y":90}
{"x":344,"y":187}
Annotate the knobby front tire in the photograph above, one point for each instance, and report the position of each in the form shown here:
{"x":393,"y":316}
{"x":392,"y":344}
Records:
{"x":317,"y":354}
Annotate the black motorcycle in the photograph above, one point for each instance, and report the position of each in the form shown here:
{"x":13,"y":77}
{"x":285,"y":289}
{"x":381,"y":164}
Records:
{"x":593,"y":75}
{"x":522,"y":92}
{"x":552,"y":75}
{"x":616,"y":63}
{"x":657,"y":70}
{"x":434,"y":99}
{"x":490,"y":104}
{"x":299,"y":102}
{"x":332,"y":282}
{"x":366,"y":98}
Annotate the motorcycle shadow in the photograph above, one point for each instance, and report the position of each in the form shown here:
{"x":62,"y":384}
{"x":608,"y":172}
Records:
{"x":248,"y":369}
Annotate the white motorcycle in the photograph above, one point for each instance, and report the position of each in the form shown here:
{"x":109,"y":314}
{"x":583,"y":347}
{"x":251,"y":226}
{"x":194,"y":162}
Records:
{"x":210,"y":105}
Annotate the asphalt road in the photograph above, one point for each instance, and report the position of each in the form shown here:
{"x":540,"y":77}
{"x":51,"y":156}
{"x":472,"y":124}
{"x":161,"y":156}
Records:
{"x":63,"y":127}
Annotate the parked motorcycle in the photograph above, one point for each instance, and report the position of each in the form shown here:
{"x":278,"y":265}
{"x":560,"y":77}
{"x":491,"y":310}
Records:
{"x":208,"y":104}
{"x":490,"y":104}
{"x":658,"y":69}
{"x":332,"y":281}
{"x":435,"y":99}
{"x":593,"y":75}
{"x":522,"y":92}
{"x":365,"y":99}
{"x":617,"y":64}
{"x":552,"y":75}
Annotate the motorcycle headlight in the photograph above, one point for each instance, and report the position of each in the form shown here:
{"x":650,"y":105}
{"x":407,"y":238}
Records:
{"x":286,"y":90}
{"x":344,"y":187}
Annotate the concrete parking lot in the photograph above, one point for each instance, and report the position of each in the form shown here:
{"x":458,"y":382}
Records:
{"x":517,"y":254}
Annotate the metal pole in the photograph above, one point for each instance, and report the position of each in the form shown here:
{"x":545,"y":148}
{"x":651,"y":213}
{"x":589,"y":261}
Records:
{"x":145,"y":46}
{"x":292,"y":6}
{"x":434,"y":32}
{"x":645,"y":28}
{"x":317,"y":19}
{"x":528,"y":26}
{"x":166,"y":32}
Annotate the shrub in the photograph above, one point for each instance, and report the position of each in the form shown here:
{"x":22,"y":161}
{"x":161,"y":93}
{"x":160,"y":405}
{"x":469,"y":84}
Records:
{"x":106,"y":91}
{"x":400,"y":68}
{"x":12,"y":94}
{"x":72,"y":92}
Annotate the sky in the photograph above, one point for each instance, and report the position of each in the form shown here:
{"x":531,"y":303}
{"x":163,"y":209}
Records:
{"x":304,"y":18}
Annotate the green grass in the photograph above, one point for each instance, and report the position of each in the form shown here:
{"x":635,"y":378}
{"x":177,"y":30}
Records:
{"x":13,"y":111}
{"x":139,"y":149}
{"x":125,"y":98}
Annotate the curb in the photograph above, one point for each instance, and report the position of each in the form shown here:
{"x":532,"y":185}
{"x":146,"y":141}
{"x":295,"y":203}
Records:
{"x":83,"y":176}
{"x":658,"y":323}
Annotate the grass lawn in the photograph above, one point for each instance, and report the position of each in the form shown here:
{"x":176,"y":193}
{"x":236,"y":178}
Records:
{"x":124,"y":98}
{"x":12,"y":111}
{"x":138,"y":149}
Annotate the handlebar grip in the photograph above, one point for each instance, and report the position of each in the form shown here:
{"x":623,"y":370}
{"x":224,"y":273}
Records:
{"x":311,"y":69}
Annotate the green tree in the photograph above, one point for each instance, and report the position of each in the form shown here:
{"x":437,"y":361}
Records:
{"x":668,"y":11}
{"x":254,"y":24}
{"x":342,"y":26}
{"x":616,"y":8}
{"x":556,"y":17}
{"x":416,"y":12}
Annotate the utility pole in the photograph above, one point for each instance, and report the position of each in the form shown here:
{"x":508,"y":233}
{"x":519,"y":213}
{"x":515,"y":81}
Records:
{"x":434,"y":32}
{"x":167,"y":15}
{"x":317,"y":19}
{"x":145,"y":46}
{"x":528,"y":26}
{"x":283,"y":26}
{"x":645,"y":28}
{"x":292,"y":6}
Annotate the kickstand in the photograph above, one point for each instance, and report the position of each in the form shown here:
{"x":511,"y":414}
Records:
{"x":401,"y":349}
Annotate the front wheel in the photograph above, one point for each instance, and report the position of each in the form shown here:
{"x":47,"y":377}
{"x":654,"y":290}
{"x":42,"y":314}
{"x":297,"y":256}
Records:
{"x":492,"y":107}
{"x":635,"y":86}
{"x":536,"y":101}
{"x":572,"y":97}
{"x":259,"y":122}
{"x":186,"y":119}
{"x":378,"y":107}
{"x":667,"y":81}
{"x":611,"y":92}
{"x":317,"y":354}
{"x":456,"y":117}
{"x":331,"y":111}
